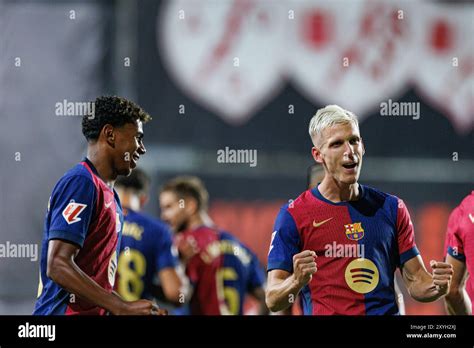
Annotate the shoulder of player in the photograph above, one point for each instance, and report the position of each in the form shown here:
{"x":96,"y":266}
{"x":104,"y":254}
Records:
{"x":225,"y":235}
{"x":77,"y":176}
{"x":299,"y":202}
{"x":467,"y":203}
{"x":373,"y":194}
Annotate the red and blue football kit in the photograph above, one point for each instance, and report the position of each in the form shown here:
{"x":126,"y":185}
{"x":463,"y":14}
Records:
{"x":222,"y":272}
{"x":84,"y":211}
{"x":359,"y":245}
{"x":145,"y":250}
{"x":460,"y":239}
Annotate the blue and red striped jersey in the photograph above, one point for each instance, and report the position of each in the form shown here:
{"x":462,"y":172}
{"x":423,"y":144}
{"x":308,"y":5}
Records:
{"x":359,"y":245}
{"x":222,"y":272}
{"x":145,"y":250}
{"x":84,"y":211}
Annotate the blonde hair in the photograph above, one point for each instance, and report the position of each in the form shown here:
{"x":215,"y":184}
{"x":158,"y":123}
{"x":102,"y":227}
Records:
{"x":329,"y":116}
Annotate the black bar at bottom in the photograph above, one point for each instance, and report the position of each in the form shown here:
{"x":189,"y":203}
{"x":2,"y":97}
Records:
{"x":244,"y":330}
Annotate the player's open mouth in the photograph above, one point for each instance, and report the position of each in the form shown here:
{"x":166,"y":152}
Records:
{"x":350,"y":165}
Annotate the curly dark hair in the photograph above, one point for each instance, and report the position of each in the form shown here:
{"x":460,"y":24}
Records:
{"x":138,"y":181}
{"x":113,"y":110}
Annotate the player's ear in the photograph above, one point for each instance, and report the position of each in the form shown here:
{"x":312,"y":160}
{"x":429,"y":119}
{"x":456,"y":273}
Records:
{"x":109,"y":134}
{"x":363,"y":146}
{"x":191,"y":206}
{"x":316,"y":154}
{"x":144,"y":198}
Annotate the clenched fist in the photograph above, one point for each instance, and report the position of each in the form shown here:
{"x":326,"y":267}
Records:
{"x":304,"y":266}
{"x":442,"y":274}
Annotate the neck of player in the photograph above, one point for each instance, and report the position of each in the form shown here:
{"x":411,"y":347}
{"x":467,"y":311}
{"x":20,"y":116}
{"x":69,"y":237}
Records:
{"x":200,"y":219}
{"x":337,"y":192}
{"x":102,"y":164}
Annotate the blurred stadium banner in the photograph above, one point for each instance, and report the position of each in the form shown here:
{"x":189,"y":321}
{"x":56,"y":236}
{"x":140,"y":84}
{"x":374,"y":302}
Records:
{"x":379,"y":45}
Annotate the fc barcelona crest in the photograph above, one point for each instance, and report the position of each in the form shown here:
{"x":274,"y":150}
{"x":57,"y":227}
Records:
{"x":354,"y":231}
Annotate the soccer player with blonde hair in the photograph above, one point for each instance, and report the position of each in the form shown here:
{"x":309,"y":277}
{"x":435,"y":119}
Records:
{"x":338,"y":244}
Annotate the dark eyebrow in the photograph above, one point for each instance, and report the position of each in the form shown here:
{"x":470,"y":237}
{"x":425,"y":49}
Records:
{"x":337,"y":140}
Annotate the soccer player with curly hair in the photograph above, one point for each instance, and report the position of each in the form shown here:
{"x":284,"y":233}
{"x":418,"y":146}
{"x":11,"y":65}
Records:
{"x":83,"y":224}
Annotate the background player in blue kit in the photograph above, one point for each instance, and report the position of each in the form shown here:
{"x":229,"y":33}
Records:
{"x":84,"y":219}
{"x":148,"y":266}
{"x":221,"y":269}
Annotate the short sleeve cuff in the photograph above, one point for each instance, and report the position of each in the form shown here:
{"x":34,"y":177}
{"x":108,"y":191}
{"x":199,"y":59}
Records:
{"x":409,"y":254}
{"x":285,"y":266}
{"x":66,"y":235}
{"x":456,"y":254}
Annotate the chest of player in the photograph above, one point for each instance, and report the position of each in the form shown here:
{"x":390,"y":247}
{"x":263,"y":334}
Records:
{"x":106,"y":222}
{"x":346,"y":233}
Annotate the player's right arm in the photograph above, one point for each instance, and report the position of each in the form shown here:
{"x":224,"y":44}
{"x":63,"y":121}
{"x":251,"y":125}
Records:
{"x":62,"y":269}
{"x":283,"y":286}
{"x":174,"y":284}
{"x":289,"y":268}
{"x":71,"y":208}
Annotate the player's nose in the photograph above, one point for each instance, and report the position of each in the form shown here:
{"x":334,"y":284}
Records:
{"x":349,"y":151}
{"x":141,"y":149}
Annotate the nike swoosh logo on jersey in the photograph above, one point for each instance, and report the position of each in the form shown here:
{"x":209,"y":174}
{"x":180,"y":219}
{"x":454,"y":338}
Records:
{"x":107,"y":205}
{"x":471,"y":217}
{"x":317,"y":224}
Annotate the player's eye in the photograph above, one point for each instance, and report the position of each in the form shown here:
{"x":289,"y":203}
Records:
{"x":355,"y":141}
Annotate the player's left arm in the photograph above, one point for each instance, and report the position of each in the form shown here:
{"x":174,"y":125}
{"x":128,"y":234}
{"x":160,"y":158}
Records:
{"x":259,"y":294}
{"x":174,"y":283}
{"x":422,"y":285}
{"x":257,"y":284}
{"x":457,"y":300}
{"x":175,"y":287}
{"x":399,"y":295}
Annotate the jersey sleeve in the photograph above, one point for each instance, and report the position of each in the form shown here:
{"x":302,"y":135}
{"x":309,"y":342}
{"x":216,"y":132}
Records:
{"x":256,"y":274}
{"x":284,"y":244}
{"x":405,"y":234}
{"x":165,"y":257}
{"x":454,"y":241}
{"x":71,"y":207}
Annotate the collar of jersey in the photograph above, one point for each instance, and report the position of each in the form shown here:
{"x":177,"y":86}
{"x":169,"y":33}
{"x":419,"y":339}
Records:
{"x":91,"y":166}
{"x":318,"y":195}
